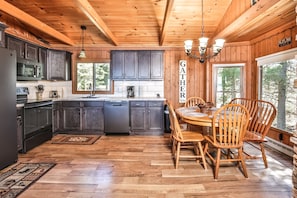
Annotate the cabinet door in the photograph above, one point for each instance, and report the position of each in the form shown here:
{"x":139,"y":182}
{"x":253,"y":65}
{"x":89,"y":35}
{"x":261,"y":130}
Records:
{"x":130,"y":65}
{"x":17,"y":45}
{"x":31,"y":52}
{"x":138,"y":118}
{"x":144,"y":65}
{"x":93,"y":119}
{"x":156,"y":65}
{"x":155,"y":116}
{"x":56,"y":65}
{"x":71,"y":118}
{"x":117,"y":65}
{"x":42,"y":58}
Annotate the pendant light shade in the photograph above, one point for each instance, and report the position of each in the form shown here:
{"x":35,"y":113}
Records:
{"x":82,"y":53}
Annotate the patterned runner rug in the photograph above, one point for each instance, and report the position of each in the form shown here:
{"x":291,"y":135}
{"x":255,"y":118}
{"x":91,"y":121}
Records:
{"x":20,"y":177}
{"x":75,"y":139}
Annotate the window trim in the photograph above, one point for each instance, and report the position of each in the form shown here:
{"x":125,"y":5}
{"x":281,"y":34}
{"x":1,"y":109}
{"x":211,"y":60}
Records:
{"x":242,"y":74}
{"x":74,"y":81}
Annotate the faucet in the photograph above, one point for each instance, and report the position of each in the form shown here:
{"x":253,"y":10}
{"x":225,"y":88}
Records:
{"x":91,"y":90}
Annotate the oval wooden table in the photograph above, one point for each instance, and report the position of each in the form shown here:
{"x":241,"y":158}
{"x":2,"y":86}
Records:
{"x":193,"y":116}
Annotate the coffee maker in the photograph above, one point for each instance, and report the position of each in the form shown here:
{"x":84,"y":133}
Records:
{"x":130,"y":91}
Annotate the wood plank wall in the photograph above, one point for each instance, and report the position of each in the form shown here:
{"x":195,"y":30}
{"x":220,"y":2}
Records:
{"x":199,"y":76}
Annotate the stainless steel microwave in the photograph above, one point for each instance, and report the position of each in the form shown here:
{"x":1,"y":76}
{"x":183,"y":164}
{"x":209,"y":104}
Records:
{"x":27,"y":70}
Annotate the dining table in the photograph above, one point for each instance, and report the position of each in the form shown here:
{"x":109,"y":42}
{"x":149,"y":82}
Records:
{"x":196,"y":116}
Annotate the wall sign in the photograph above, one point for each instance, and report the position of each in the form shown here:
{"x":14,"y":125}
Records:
{"x":182,"y":81}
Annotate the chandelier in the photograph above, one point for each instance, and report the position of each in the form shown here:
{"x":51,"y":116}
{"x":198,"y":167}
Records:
{"x":216,"y":48}
{"x":82,"y":53}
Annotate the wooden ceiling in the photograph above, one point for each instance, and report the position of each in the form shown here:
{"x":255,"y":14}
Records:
{"x":144,"y":23}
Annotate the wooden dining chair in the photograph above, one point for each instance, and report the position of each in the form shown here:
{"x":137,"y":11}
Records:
{"x":189,"y":140}
{"x":229,"y":126}
{"x":194,"y":102}
{"x":262,"y":115}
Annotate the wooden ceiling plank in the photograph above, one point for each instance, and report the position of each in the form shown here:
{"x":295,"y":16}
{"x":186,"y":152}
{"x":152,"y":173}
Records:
{"x":33,"y":22}
{"x":167,"y":15}
{"x":90,"y":12}
{"x":246,"y":17}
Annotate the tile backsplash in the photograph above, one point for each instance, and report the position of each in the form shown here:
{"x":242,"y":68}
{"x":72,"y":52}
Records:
{"x":64,"y":88}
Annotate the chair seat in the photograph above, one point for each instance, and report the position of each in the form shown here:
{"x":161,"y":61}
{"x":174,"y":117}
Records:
{"x":190,"y":136}
{"x":252,"y":136}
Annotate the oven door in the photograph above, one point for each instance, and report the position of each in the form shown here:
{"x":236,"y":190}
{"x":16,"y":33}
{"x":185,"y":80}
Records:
{"x":36,"y":118}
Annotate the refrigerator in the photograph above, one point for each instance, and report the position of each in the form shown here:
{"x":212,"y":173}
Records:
{"x":8,"y":124}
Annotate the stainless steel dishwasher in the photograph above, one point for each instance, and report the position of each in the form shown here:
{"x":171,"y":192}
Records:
{"x":116,"y":117}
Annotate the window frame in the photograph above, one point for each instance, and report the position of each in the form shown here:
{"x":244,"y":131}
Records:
{"x":228,"y":65}
{"x":74,"y":89}
{"x":270,"y":59}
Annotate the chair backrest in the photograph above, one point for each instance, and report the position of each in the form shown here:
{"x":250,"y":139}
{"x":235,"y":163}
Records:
{"x":262,"y":114}
{"x":229,"y":125}
{"x":177,"y":134}
{"x":194,"y":101}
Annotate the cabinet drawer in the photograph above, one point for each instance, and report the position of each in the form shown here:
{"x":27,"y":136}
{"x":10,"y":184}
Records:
{"x":93,"y":104}
{"x":71,"y":104}
{"x":137,"y":103}
{"x":155,"y":104}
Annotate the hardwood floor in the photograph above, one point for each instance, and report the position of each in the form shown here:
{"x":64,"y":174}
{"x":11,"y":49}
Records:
{"x":142,"y":166}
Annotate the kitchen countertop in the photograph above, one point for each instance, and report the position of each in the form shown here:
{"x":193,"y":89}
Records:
{"x":98,"y":98}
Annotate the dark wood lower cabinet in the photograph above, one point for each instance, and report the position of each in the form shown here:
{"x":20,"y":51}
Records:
{"x":87,"y":117}
{"x":79,"y":117}
{"x":147,"y":116}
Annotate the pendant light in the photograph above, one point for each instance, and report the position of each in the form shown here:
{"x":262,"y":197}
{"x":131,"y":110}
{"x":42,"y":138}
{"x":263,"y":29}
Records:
{"x":82,"y":53}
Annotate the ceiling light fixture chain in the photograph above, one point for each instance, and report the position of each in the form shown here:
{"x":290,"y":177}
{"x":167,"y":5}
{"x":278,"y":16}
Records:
{"x":216,"y":48}
{"x":82,"y":53}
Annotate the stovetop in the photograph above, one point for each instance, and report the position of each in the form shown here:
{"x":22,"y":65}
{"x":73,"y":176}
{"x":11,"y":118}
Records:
{"x":22,"y":97}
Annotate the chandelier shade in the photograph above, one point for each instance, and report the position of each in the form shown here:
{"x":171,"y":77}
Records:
{"x":203,"y":42}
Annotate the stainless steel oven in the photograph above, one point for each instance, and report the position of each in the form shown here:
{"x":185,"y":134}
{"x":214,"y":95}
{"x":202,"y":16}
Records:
{"x":37,"y":123}
{"x":36,"y":119}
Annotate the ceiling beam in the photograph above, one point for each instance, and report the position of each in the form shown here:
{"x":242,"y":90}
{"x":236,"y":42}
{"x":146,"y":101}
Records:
{"x":245,"y":18}
{"x":169,"y":6}
{"x":90,"y":12}
{"x":33,"y":22}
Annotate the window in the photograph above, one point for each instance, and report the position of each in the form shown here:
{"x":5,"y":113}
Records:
{"x":93,"y":77}
{"x":276,"y":77}
{"x":228,"y":82}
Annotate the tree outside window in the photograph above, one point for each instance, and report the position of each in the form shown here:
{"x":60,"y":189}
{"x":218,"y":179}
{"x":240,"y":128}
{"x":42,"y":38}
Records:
{"x":228,"y":83}
{"x":277,"y":87}
{"x":93,"y":77}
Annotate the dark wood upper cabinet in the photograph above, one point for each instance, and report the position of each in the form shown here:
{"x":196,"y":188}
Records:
{"x":156,"y":65}
{"x":17,"y":45}
{"x":144,"y":65}
{"x":58,"y":65}
{"x":130,"y":65}
{"x":117,"y":62}
{"x":31,"y":52}
{"x":137,"y":65}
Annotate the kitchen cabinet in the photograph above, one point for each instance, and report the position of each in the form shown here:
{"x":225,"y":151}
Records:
{"x":58,"y":65}
{"x":147,"y":116}
{"x":42,"y":58}
{"x":82,"y":117}
{"x":71,"y":116}
{"x":31,"y":52}
{"x":92,"y":116}
{"x":124,"y":65}
{"x":2,"y":34}
{"x":17,"y":45}
{"x":150,"y":65}
{"x":57,"y":116}
{"x":137,"y":65}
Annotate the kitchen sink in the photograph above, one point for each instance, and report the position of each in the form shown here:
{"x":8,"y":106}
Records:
{"x":90,"y":97}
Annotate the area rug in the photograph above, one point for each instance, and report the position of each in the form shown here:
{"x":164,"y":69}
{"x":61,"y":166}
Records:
{"x":20,"y":177}
{"x":75,"y":139}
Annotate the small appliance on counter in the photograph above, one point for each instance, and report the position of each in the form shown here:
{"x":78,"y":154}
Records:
{"x":130,"y":91}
